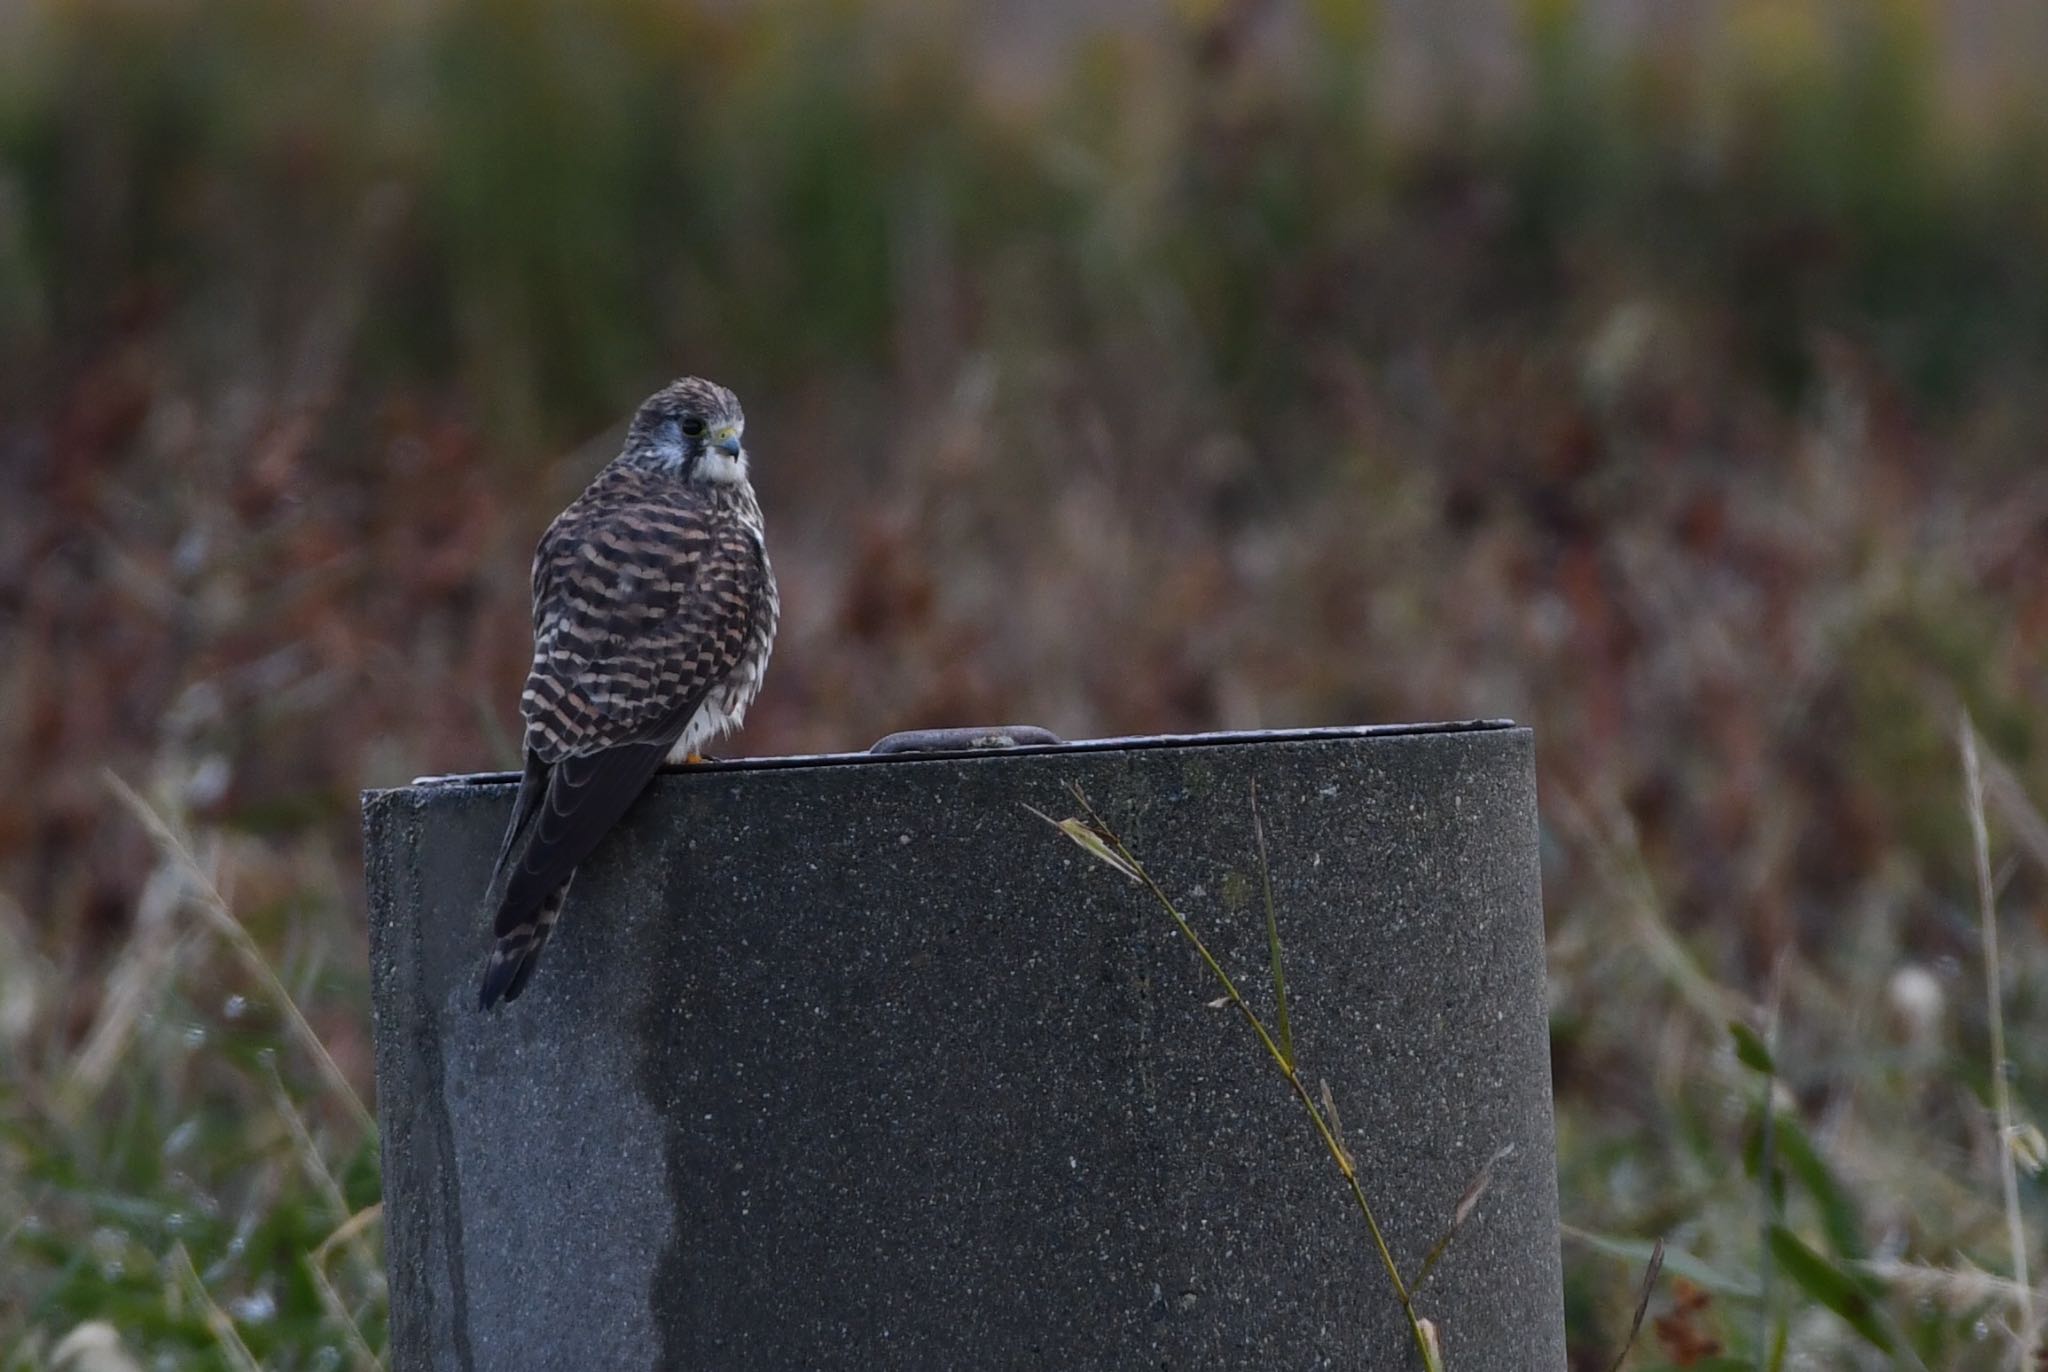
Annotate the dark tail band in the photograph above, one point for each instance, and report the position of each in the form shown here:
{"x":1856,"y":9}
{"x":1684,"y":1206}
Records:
{"x":518,"y":952}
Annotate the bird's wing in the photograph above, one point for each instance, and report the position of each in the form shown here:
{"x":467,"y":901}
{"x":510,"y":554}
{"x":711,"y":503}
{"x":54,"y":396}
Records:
{"x":644,"y":602}
{"x":533,"y":785}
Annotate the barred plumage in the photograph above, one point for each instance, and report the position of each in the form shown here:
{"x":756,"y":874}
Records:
{"x":654,"y":610}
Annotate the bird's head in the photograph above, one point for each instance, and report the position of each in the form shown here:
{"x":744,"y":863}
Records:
{"x":690,"y":429}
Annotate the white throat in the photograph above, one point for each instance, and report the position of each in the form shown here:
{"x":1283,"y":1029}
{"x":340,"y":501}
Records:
{"x":722,"y":468}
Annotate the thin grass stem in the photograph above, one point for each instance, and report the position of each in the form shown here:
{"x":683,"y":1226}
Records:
{"x":355,"y":1225}
{"x":1767,"y":1160}
{"x":1651,"y":1271}
{"x":1272,"y":933}
{"x":1097,"y":834}
{"x":2001,"y":1087}
{"x":338,"y":1311}
{"x":223,"y":1329}
{"x":1462,"y":1211}
{"x":223,"y":920}
{"x":322,"y":1177}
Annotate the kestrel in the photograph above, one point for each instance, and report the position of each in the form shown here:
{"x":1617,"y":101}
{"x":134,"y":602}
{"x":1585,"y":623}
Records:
{"x":654,"y":610}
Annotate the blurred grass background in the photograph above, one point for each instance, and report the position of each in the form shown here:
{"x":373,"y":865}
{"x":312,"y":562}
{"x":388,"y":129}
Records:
{"x":1668,"y":377}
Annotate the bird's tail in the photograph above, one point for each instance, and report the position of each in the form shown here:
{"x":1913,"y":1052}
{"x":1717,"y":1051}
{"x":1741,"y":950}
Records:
{"x":518,"y":950}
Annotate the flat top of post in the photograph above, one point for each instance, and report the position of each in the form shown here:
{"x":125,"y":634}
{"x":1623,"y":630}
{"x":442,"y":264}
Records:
{"x":1025,"y":740}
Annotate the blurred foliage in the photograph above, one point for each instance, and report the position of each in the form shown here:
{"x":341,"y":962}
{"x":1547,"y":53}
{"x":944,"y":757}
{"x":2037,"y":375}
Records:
{"x":1676,"y":390}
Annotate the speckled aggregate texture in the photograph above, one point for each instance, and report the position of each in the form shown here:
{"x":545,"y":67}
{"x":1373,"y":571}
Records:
{"x":860,"y":1065}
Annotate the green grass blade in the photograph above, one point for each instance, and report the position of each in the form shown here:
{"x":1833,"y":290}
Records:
{"x":1282,"y":1024}
{"x":1677,"y":1261}
{"x":1781,"y":1339}
{"x":1839,"y":1215}
{"x":1750,"y":1049}
{"x":1846,"y":1293}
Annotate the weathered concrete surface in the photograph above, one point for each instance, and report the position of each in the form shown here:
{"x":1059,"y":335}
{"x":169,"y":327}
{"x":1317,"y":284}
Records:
{"x":856,"y":1064}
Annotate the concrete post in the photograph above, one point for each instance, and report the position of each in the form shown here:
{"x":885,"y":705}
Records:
{"x":851,"y":1062}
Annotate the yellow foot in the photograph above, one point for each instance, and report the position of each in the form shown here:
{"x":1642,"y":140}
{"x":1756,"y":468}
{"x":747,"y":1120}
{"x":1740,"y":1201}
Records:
{"x":693,"y":759}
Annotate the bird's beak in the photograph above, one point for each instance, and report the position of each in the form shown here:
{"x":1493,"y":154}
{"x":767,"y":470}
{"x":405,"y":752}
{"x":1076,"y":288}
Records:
{"x":727,"y":440}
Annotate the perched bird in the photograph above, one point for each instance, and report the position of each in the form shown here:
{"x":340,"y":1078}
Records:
{"x":654,"y":610}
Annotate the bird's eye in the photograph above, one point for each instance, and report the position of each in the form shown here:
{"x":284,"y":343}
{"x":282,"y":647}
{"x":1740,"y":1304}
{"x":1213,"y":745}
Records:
{"x":694,"y":427}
